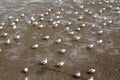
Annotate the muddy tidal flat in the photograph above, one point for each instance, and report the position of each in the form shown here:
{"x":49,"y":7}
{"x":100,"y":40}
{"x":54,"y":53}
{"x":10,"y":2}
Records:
{"x":59,"y":39}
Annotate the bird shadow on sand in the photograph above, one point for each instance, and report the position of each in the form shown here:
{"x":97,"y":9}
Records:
{"x":46,"y":68}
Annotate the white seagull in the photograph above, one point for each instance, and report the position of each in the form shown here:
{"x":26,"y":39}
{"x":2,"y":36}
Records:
{"x":35,"y":46}
{"x":62,"y":51}
{"x":99,"y":41}
{"x":46,"y":37}
{"x":25,"y":70}
{"x":58,"y":41}
{"x":90,"y":46}
{"x":4,"y":34}
{"x":60,"y":64}
{"x":92,"y":70}
{"x":17,"y":37}
{"x":78,"y":74}
{"x":8,"y":41}
{"x":44,"y":61}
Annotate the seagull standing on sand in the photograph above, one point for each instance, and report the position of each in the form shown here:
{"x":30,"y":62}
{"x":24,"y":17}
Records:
{"x":1,"y":27}
{"x":99,"y":41}
{"x":91,"y":71}
{"x":10,"y":17}
{"x":62,"y":51}
{"x":100,"y":32}
{"x":58,"y":41}
{"x":77,"y":75}
{"x":17,"y":37}
{"x":35,"y":46}
{"x":90,"y":46}
{"x":76,"y":38}
{"x":46,"y":37}
{"x":44,"y":61}
{"x":0,"y":50}
{"x":8,"y":41}
{"x":25,"y":70}
{"x":4,"y":34}
{"x":60,"y":64}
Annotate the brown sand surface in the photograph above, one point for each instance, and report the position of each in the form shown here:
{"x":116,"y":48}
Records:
{"x":105,"y":57}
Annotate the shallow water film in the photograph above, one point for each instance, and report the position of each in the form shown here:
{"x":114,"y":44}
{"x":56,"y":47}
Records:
{"x":59,"y":39}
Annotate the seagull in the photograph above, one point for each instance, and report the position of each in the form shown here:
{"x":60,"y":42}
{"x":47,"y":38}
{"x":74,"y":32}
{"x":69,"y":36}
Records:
{"x":69,"y":23}
{"x":90,"y":46}
{"x":25,"y":70}
{"x":50,"y":20}
{"x":13,"y":23}
{"x":55,"y":25}
{"x":60,"y":64}
{"x":49,"y":10}
{"x":35,"y":23}
{"x":8,"y":41}
{"x":32,"y":18}
{"x":110,"y":21}
{"x":58,"y":41}
{"x":17,"y":37}
{"x":74,"y":1}
{"x":41,"y":18}
{"x":100,"y":2}
{"x":78,"y":29}
{"x":58,"y":21}
{"x":14,"y":27}
{"x":44,"y":61}
{"x":82,"y":6}
{"x":2,"y":24}
{"x":83,"y":25}
{"x":90,"y":12}
{"x":99,"y":41}
{"x":41,"y":26}
{"x":46,"y":13}
{"x":80,"y":18}
{"x":101,"y":11}
{"x":57,"y":17}
{"x":46,"y":37}
{"x":35,"y":46}
{"x":62,"y":51}
{"x":1,"y":27}
{"x":58,"y":13}
{"x":78,"y":74}
{"x":76,"y":12}
{"x":86,"y":10}
{"x":93,"y":25}
{"x":67,"y":28}
{"x":71,"y":32}
{"x":4,"y":34}
{"x":41,"y":15}
{"x":100,"y":32}
{"x":17,"y":20}
{"x":22,"y":15}
{"x":0,"y":50}
{"x":76,"y":38}
{"x":104,"y":24}
{"x":93,"y":3}
{"x":62,"y":9}
{"x":10,"y":17}
{"x":92,"y":70}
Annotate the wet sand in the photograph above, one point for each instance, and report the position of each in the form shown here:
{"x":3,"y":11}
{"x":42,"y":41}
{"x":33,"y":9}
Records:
{"x":105,"y":57}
